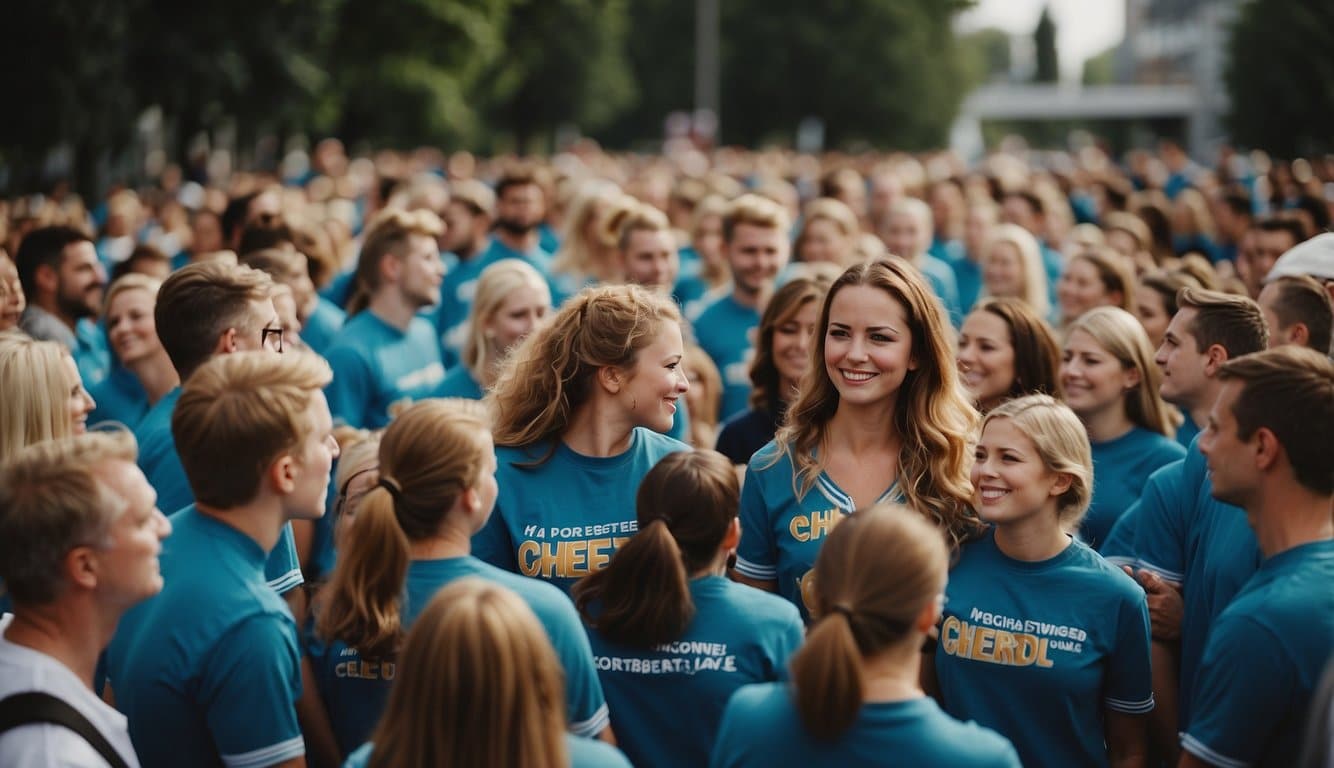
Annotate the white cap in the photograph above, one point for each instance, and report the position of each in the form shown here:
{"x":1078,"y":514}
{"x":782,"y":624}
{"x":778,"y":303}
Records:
{"x":1315,"y":257}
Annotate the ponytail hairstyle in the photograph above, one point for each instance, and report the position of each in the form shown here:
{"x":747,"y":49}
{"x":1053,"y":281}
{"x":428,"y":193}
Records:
{"x":875,"y":574}
{"x":433,"y":452}
{"x":482,"y":686}
{"x":685,"y":504}
{"x":552,"y":372}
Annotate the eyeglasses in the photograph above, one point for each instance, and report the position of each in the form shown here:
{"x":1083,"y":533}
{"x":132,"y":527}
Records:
{"x":276,"y":333}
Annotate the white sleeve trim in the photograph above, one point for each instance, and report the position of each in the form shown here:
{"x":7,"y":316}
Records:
{"x":288,"y":581}
{"x":1119,"y":560}
{"x":1202,"y":751}
{"x":1130,"y":707}
{"x":594,"y":725}
{"x":265,"y":756}
{"x":753,"y":570}
{"x":1162,"y":573}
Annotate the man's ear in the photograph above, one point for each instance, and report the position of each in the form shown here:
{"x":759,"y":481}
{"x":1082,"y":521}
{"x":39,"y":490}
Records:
{"x":46,"y":278}
{"x":1268,"y":449}
{"x":1217,"y":356}
{"x":80,"y":566}
{"x":226,"y":343}
{"x":282,"y":475}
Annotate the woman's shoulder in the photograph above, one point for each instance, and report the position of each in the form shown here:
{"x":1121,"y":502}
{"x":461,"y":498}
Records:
{"x":746,"y":605}
{"x":655,"y":444}
{"x":591,"y":753}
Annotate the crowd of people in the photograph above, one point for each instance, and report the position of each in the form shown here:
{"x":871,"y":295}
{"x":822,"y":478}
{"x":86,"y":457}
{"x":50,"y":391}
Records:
{"x":705,"y":458}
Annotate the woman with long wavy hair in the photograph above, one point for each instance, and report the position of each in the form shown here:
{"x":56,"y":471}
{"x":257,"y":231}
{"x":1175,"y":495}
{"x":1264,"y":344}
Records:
{"x":880,"y":416}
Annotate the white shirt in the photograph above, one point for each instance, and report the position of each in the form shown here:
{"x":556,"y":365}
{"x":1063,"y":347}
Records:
{"x":43,"y":745}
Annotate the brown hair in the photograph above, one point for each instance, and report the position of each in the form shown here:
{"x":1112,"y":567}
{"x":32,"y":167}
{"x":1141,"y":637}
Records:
{"x":786,"y":303}
{"x":387,"y":235}
{"x":551,"y":373}
{"x":52,"y":501}
{"x":480,"y":685}
{"x":933,"y":418}
{"x":1233,"y":322}
{"x":237,"y":414}
{"x":1113,"y":273}
{"x":1301,"y":299}
{"x":433,"y":452}
{"x":1037,"y":356}
{"x":198,"y":303}
{"x":685,"y":506}
{"x":640,"y":218}
{"x":873,"y":577}
{"x":1290,"y":392}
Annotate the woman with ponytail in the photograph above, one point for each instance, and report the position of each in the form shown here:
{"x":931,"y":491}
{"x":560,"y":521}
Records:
{"x":672,"y":637}
{"x":580,"y":408}
{"x":480,"y":686}
{"x":855,"y":697}
{"x":408,"y":538}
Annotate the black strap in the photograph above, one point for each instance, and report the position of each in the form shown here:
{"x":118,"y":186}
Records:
{"x":36,"y":707}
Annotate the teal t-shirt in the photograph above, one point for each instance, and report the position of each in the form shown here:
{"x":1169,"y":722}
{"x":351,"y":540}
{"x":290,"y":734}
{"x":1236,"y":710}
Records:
{"x":584,"y":753}
{"x":967,"y":278}
{"x":1120,"y":468}
{"x":941,"y":278}
{"x":1263,"y":659}
{"x":1037,"y":650}
{"x":1187,"y":432}
{"x":725,"y":330}
{"x":459,"y":382}
{"x":781,"y":534}
{"x":323,"y":325}
{"x":377,"y":366}
{"x":1189,"y":538}
{"x":562,"y":519}
{"x":667,"y":700}
{"x":355,"y":689}
{"x":119,"y":397}
{"x":761,"y":729}
{"x":162,"y":466}
{"x":209,"y":670}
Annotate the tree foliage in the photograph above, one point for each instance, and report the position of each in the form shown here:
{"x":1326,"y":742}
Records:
{"x":1280,"y":76}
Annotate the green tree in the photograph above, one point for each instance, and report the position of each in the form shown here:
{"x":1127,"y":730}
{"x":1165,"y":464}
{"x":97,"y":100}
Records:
{"x":564,"y":62}
{"x":883,"y":72}
{"x":1280,"y":76}
{"x":1044,"y":44}
{"x":986,"y":55}
{"x":1100,"y":69}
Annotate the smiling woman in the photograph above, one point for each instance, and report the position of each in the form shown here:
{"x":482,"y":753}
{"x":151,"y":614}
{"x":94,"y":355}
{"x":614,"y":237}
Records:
{"x":580,"y":407}
{"x":44,"y":398}
{"x":141,"y":372}
{"x":880,"y":415}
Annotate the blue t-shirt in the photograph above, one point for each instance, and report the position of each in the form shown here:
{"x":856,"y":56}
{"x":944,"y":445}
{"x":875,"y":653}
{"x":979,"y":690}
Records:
{"x":339,"y":290}
{"x":459,"y":382}
{"x":562,"y":519}
{"x":668,"y":700}
{"x":584,"y":753}
{"x":1189,"y":538}
{"x":762,"y":729}
{"x":377,"y":366}
{"x":1187,"y":432}
{"x":780,"y":533}
{"x":91,"y":353}
{"x":1119,"y":546}
{"x":162,"y":466}
{"x":210,"y":668}
{"x":1120,"y":467}
{"x":1263,"y":659}
{"x":967,"y":279}
{"x":1036,"y":650}
{"x":322,"y":326}
{"x":941,"y":278}
{"x":355,"y":689}
{"x":694,"y":294}
{"x":725,"y":331}
{"x":119,"y":397}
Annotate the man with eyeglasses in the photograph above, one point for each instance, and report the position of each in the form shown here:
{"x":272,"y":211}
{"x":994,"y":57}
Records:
{"x":207,"y":309}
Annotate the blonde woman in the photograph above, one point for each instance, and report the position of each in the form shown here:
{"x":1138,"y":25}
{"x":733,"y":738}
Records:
{"x":880,"y":416}
{"x":1012,"y":266}
{"x":855,"y":696}
{"x":44,"y":398}
{"x":141,"y":372}
{"x":512,"y":300}
{"x":585,"y":258}
{"x":580,"y":409}
{"x":1111,"y":381}
{"x":480,"y":686}
{"x":829,"y":233}
{"x":410,"y":536}
{"x":1032,"y":610}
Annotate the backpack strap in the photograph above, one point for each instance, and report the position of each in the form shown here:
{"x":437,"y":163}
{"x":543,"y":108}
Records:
{"x":37,"y":707}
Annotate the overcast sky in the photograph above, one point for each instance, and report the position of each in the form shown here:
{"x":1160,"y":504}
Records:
{"x":1083,"y":27}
